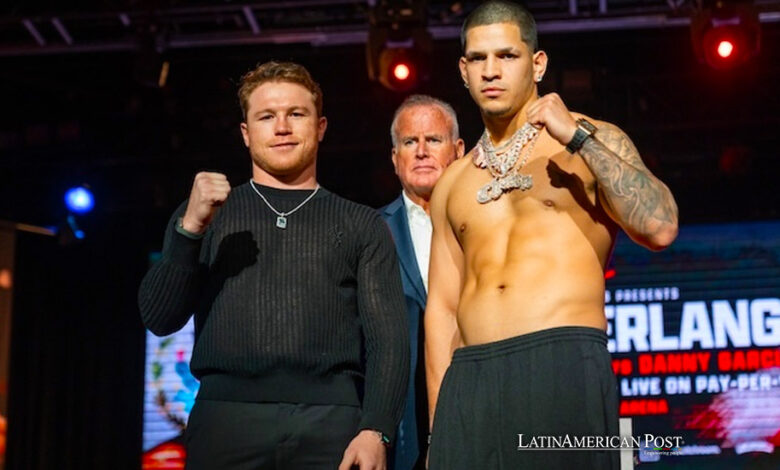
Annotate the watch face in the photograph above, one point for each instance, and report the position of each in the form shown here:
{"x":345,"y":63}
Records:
{"x":586,"y":125}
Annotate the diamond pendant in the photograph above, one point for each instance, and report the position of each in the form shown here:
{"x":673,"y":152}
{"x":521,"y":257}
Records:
{"x":494,"y":189}
{"x":281,"y":222}
{"x":489,"y":192}
{"x":524,"y":182}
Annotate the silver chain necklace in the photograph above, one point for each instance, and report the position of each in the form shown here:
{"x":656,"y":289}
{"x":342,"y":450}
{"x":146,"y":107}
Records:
{"x":281,"y":219}
{"x":501,"y":161}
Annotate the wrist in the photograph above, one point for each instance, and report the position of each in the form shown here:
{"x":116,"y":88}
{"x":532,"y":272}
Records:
{"x":383,"y":438}
{"x":585,"y":130}
{"x":191,"y":226}
{"x":570,"y":133}
{"x":189,"y":230}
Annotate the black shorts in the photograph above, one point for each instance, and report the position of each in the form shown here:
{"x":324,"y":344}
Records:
{"x":554,"y":382}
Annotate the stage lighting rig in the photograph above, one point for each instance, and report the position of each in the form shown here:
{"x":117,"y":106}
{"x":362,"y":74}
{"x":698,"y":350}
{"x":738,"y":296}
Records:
{"x":79,"y":200}
{"x":399,"y":45}
{"x":151,"y":64}
{"x":726,"y":34}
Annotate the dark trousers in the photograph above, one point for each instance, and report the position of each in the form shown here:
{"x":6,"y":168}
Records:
{"x":553,"y":382}
{"x":224,"y":435}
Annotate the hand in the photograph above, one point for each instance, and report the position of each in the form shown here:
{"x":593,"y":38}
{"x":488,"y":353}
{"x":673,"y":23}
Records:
{"x":550,"y":112}
{"x":367,"y":451}
{"x":209,"y":191}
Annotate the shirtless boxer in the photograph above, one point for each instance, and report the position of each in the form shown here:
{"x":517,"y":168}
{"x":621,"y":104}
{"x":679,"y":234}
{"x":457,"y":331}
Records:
{"x":522,"y":231}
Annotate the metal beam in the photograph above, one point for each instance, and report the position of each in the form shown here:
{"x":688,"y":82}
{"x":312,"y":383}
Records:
{"x":34,"y":32}
{"x":320,"y":23}
{"x":250,"y":18}
{"x":62,"y":30}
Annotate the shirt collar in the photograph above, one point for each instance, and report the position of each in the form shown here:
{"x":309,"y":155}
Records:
{"x":413,"y":209}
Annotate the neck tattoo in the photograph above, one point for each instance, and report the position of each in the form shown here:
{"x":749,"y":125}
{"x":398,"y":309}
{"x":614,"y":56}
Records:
{"x":501,"y":161}
{"x":281,"y":217}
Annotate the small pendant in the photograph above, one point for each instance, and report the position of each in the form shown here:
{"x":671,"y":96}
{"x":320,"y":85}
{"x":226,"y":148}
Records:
{"x":281,"y":222}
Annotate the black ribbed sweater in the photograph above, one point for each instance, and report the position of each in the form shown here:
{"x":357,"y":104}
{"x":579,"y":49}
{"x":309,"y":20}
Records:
{"x":313,"y":313}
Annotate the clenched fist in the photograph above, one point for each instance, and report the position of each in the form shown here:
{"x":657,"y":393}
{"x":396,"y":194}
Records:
{"x":550,"y":112}
{"x":209,"y":191}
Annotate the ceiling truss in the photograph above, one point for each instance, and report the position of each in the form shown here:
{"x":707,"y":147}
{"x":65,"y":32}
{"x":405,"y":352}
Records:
{"x":314,"y":22}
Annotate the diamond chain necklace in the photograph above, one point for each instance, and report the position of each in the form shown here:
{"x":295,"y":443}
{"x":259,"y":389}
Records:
{"x":281,"y":219}
{"x":500,"y":162}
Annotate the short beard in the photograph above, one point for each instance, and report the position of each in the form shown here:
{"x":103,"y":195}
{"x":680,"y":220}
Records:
{"x":496,"y":113}
{"x":275,"y":172}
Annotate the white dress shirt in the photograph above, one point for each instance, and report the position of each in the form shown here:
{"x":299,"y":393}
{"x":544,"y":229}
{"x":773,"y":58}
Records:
{"x":421,"y":230}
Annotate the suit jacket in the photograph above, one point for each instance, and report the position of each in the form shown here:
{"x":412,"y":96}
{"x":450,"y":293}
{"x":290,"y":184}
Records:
{"x":413,"y":429}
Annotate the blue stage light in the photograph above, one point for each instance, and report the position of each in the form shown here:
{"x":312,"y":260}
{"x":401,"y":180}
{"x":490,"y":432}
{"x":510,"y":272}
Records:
{"x":79,"y":200}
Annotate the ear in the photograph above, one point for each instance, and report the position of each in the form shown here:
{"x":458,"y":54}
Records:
{"x":540,"y":63}
{"x":322,"y":125}
{"x":245,"y":133}
{"x":460,"y":149}
{"x":394,"y":158}
{"x":462,"y":67}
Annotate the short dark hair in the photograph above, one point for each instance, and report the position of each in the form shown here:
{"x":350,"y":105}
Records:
{"x":500,"y":11}
{"x":278,"y":72}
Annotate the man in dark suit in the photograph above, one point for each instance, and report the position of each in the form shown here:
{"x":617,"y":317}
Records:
{"x":425,"y":141}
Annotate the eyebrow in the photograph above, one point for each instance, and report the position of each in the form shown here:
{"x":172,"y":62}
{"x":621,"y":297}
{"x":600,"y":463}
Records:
{"x":427,"y":136}
{"x":504,"y":50}
{"x":291,"y":108}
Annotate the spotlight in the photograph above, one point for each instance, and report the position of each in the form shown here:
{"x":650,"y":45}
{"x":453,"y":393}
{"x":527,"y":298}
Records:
{"x":725,"y":48}
{"x":726,"y":34}
{"x":398,"y":44}
{"x":398,"y":69}
{"x":79,"y":200}
{"x":401,"y":71}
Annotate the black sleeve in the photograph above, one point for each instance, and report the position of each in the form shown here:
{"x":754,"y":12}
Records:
{"x":385,"y":327}
{"x":170,"y":289}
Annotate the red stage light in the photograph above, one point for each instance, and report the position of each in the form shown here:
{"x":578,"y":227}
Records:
{"x":725,"y":48}
{"x":401,"y":71}
{"x":399,"y":44}
{"x":399,"y":68}
{"x":727,"y":34}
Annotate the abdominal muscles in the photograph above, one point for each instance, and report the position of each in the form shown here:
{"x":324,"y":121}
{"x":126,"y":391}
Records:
{"x":523,"y":277}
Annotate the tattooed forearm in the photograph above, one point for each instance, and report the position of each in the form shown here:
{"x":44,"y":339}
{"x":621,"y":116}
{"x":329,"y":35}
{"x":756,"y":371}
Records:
{"x":640,"y":202}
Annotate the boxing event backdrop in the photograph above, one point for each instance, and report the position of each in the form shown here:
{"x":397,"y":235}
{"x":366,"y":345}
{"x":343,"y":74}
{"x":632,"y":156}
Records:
{"x":694,"y":332}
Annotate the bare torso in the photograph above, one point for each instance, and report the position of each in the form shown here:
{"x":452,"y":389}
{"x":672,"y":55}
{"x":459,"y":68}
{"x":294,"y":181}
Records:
{"x":533,"y":259}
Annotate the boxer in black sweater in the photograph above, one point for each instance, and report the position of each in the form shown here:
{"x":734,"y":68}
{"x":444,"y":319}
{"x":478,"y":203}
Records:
{"x":301,"y":342}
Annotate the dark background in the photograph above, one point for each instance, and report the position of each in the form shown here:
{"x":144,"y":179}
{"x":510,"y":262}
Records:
{"x":77,"y":349}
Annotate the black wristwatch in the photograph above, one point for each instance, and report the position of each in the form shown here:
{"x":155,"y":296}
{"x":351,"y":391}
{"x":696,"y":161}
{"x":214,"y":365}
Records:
{"x":585,"y":129}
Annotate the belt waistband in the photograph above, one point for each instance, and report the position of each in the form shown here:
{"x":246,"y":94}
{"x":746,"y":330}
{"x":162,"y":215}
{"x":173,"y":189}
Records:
{"x":528,"y":341}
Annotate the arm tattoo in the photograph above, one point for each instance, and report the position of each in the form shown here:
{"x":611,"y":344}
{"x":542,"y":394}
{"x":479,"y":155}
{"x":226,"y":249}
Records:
{"x":640,"y":202}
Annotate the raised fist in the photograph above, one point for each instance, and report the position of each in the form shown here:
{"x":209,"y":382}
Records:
{"x":550,"y":112}
{"x":209,"y":191}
